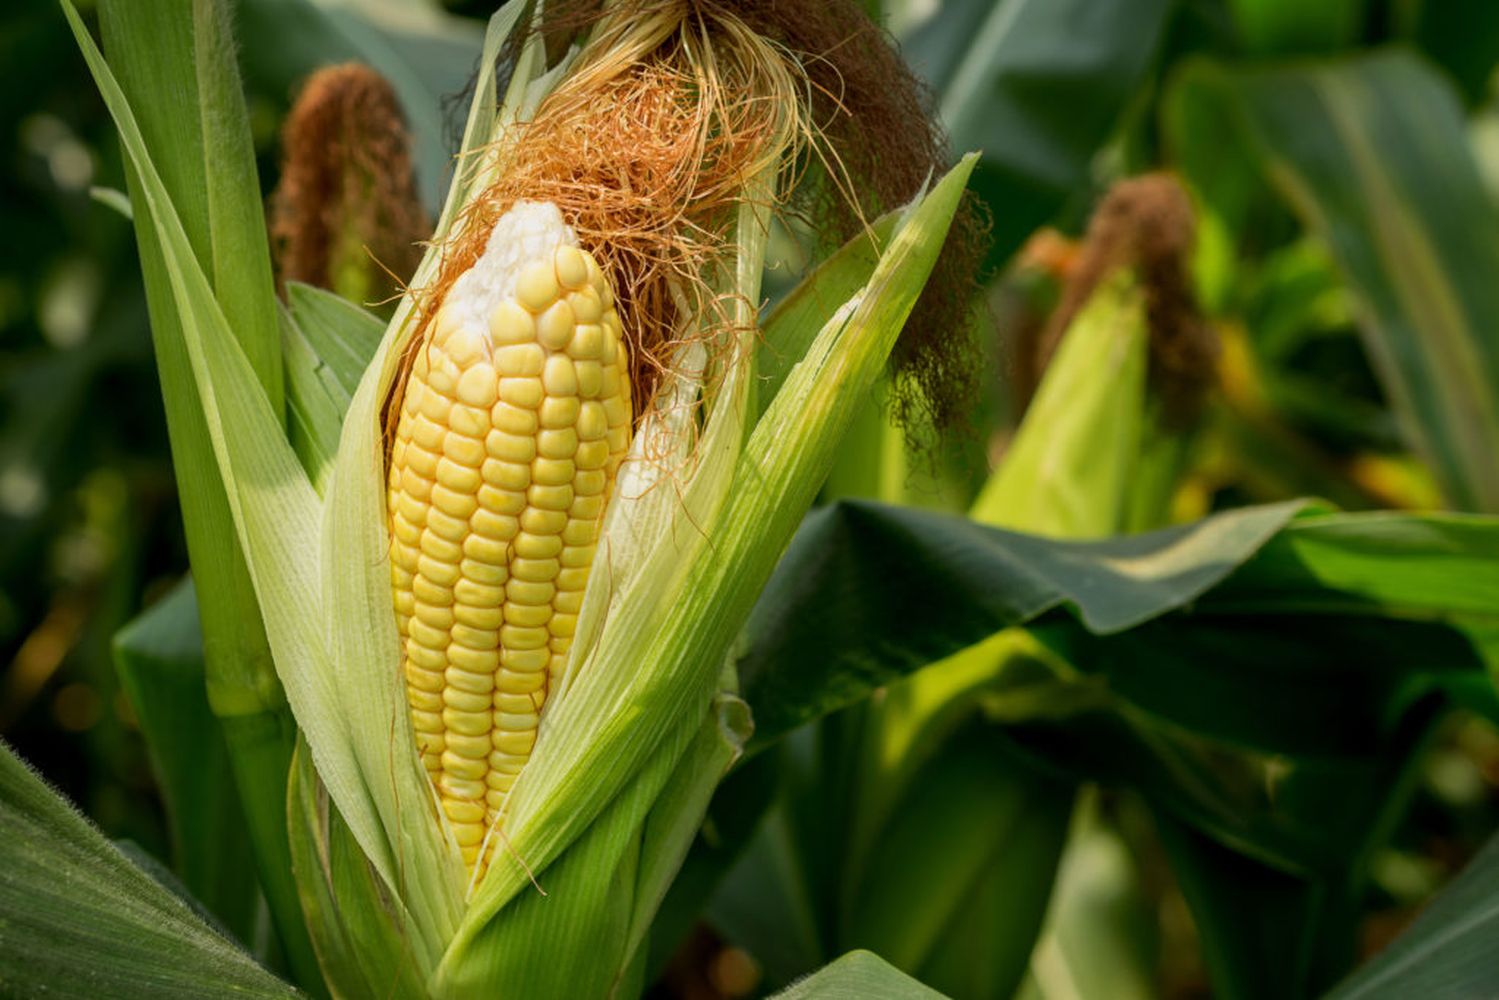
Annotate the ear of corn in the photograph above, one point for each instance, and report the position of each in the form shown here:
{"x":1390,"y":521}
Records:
{"x":514,"y":419}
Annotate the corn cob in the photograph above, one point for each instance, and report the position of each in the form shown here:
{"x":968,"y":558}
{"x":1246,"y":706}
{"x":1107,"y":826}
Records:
{"x":514,"y":420}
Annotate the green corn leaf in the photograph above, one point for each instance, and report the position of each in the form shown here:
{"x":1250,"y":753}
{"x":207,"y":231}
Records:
{"x":275,"y":510}
{"x":1038,"y":86}
{"x":1374,"y":156}
{"x":344,"y":336}
{"x":315,"y":405}
{"x":159,"y":658}
{"x":963,"y":918}
{"x":175,"y":62}
{"x":79,"y":920}
{"x":857,"y":976}
{"x":1447,"y":953}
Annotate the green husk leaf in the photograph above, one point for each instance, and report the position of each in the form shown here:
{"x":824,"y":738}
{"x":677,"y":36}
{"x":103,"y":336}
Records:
{"x":1068,"y":469}
{"x":77,"y":919}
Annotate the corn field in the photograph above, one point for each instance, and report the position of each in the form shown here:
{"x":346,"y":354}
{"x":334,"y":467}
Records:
{"x":716,"y":499}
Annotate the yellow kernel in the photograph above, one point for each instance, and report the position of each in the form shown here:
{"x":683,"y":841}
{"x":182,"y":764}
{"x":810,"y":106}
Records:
{"x":478,"y":385}
{"x":558,"y":376}
{"x":477,"y":665}
{"x":478,"y":594}
{"x":559,"y":411}
{"x":501,"y":501}
{"x":560,"y":442}
{"x":571,"y":268}
{"x":470,"y":421}
{"x":457,"y":476}
{"x":510,"y":447}
{"x":515,"y":743}
{"x":426,"y":657}
{"x":421,"y":461}
{"x":525,"y":392}
{"x":471,"y":681}
{"x":591,"y":454}
{"x":618,"y":438}
{"x":508,"y":475}
{"x":587,"y":343}
{"x":571,"y":579}
{"x":475,"y":638}
{"x":528,"y":546}
{"x":405,"y":603}
{"x":492,"y":550}
{"x":425,"y":635}
{"x":516,"y":704}
{"x":586,"y":305}
{"x":578,"y":556}
{"x":520,"y":637}
{"x":491,"y":525}
{"x":468,"y":745}
{"x":426,"y":722}
{"x":427,"y":434}
{"x":457,"y":502}
{"x":616,"y":410}
{"x":563,"y":626}
{"x":492,"y":573}
{"x":435,"y":407}
{"x":611,"y":384}
{"x":552,"y":471}
{"x":464,"y":812}
{"x":590,"y":378}
{"x":554,"y":328}
{"x":427,"y":591}
{"x":478,"y":617}
{"x":468,"y":834}
{"x":462,"y":705}
{"x":439,"y":572}
{"x":512,"y":722}
{"x":411,"y":509}
{"x":510,"y":324}
{"x":536,"y":286}
{"x":464,"y":450}
{"x":430,"y":681}
{"x":568,"y":603}
{"x":589,"y":483}
{"x":528,"y":615}
{"x":442,"y":535}
{"x":466,"y":723}
{"x":443,"y":376}
{"x":432,"y":615}
{"x":415,"y":483}
{"x":529,"y":592}
{"x":424,"y":701}
{"x":553,"y":498}
{"x":519,"y":360}
{"x":404,"y":557}
{"x":511,"y":419}
{"x":404,"y":530}
{"x":523,"y":661}
{"x":534,"y":570}
{"x":543,"y":522}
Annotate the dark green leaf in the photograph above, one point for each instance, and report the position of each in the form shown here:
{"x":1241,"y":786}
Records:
{"x":1448,"y":953}
{"x":836,"y":619}
{"x":159,"y":657}
{"x":1038,"y":86}
{"x":79,"y":920}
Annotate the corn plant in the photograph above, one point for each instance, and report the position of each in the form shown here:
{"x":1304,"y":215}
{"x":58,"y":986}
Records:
{"x":513,"y":641}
